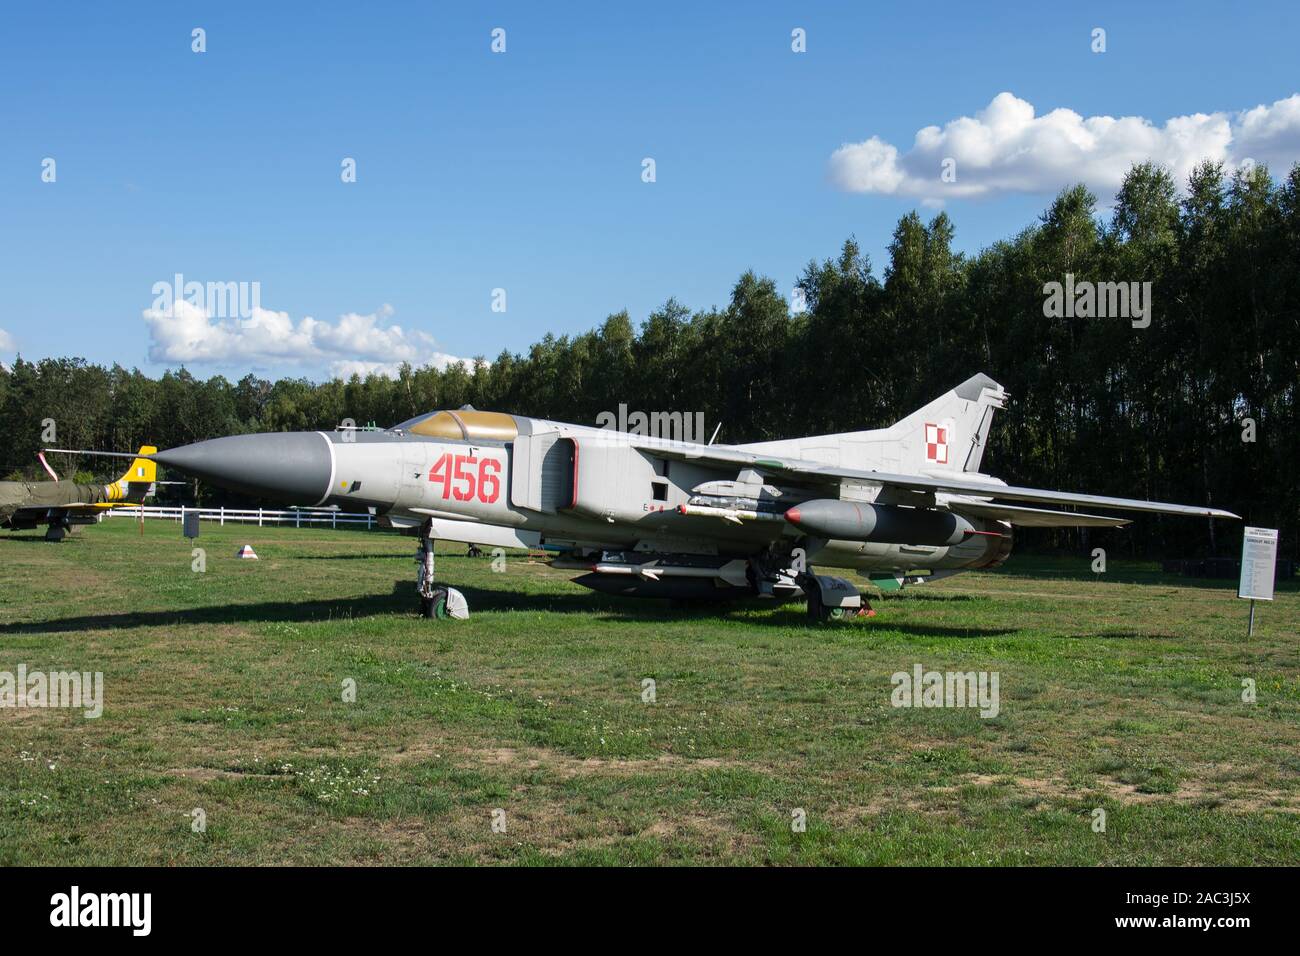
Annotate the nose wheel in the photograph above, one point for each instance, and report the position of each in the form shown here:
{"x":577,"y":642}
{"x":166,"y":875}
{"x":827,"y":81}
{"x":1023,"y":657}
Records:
{"x":437,"y":601}
{"x":435,"y":606}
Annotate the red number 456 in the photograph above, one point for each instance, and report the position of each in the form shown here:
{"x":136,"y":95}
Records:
{"x":459,"y":481}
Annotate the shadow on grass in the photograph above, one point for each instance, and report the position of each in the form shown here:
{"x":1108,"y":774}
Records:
{"x":785,"y":615}
{"x":314,"y":610}
{"x":76,"y":537}
{"x":401,"y":601}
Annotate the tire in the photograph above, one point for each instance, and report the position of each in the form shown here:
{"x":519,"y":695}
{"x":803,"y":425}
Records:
{"x":819,"y":613}
{"x":435,"y":607}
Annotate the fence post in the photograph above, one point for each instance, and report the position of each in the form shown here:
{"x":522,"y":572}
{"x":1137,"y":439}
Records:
{"x":223,"y":516}
{"x":334,"y":520}
{"x":297,"y":517}
{"x":259,"y":517}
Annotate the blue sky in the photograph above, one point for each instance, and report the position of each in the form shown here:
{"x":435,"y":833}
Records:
{"x":522,"y":170}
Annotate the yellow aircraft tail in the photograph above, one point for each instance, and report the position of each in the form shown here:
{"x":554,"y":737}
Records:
{"x":139,"y":478}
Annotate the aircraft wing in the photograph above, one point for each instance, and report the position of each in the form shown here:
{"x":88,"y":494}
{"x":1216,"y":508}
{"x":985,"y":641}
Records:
{"x":815,"y":473}
{"x":1032,"y":517}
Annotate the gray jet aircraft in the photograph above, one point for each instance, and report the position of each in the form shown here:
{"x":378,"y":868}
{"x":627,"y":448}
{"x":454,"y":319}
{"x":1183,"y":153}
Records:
{"x":645,"y":516}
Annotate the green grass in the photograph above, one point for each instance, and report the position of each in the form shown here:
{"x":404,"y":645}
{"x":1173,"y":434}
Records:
{"x":223,"y":692}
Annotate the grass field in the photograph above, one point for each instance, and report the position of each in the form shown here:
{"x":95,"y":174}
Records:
{"x":223,"y":691}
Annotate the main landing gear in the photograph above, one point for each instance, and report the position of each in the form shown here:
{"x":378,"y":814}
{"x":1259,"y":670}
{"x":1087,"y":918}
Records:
{"x":436,"y":600}
{"x":833,"y":599}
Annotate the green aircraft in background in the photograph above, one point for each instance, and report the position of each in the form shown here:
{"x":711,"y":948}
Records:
{"x":62,"y":504}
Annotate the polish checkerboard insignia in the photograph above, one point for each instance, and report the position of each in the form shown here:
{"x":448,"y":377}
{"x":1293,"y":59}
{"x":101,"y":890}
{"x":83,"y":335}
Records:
{"x":936,"y":443}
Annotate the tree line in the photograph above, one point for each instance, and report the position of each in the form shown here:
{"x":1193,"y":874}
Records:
{"x":1198,"y":406}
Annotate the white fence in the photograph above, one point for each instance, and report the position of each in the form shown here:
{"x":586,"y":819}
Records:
{"x":298,"y":517}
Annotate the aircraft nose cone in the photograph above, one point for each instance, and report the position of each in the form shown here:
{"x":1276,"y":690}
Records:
{"x":294,"y":467}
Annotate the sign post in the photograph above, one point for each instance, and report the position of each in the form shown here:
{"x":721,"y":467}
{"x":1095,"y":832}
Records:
{"x":1258,"y":561}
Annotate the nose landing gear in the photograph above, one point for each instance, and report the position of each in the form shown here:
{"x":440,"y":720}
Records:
{"x":436,"y":600}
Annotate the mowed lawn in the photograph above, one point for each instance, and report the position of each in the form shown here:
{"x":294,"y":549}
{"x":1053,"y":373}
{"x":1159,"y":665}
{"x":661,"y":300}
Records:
{"x":224,"y":692}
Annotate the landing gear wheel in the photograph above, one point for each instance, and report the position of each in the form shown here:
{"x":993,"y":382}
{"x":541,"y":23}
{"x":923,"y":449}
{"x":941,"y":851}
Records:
{"x":845,"y":601}
{"x":817,"y":611}
{"x":435,"y":606}
{"x":820,"y":613}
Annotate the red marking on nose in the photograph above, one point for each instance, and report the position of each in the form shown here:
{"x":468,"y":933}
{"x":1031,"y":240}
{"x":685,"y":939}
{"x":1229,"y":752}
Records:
{"x":792,"y":514}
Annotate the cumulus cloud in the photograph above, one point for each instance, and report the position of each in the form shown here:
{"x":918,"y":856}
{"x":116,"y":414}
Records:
{"x":1006,"y":148}
{"x":186,"y":332}
{"x":346,"y":368}
{"x":7,"y":343}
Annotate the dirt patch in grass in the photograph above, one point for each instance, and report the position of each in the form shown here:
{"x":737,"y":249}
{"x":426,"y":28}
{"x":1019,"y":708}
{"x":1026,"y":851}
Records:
{"x":555,"y":762}
{"x":567,"y":766}
{"x":1191,"y":792}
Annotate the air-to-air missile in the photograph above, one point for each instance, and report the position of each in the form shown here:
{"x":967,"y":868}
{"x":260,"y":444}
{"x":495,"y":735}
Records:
{"x":646,"y":516}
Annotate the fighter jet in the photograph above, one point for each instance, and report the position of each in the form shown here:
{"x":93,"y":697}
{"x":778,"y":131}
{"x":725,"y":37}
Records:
{"x":62,"y":504}
{"x":642,"y":515}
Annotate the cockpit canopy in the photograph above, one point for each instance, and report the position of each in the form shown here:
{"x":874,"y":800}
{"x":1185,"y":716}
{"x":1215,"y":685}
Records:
{"x":467,"y":424}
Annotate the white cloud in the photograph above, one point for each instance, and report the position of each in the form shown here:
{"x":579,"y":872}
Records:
{"x":346,"y":368}
{"x":1006,"y":148}
{"x":7,"y":343}
{"x":185,"y":332}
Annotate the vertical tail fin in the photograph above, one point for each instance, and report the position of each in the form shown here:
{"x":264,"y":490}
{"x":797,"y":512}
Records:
{"x":947,"y":435}
{"x":139,"y":478}
{"x":950,"y":433}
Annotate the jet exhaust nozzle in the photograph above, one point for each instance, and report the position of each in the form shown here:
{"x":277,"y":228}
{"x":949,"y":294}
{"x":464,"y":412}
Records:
{"x":886,"y":524}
